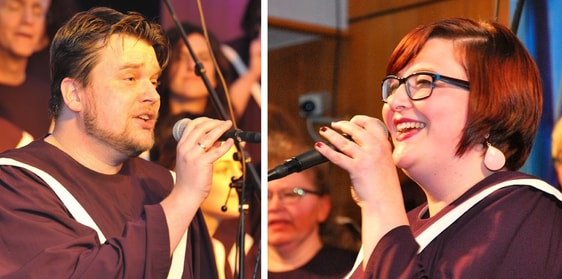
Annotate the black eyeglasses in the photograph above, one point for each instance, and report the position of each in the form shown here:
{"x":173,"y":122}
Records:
{"x":419,"y":85}
{"x":291,"y":196}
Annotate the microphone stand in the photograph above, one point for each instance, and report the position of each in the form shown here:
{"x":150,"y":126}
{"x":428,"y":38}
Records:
{"x":517,"y":16}
{"x":246,"y":165}
{"x":238,"y":184}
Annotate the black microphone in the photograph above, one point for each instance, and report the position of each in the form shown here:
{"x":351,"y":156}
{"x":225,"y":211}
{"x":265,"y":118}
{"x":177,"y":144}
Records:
{"x":298,"y":163}
{"x":302,"y":162}
{"x":251,"y":137}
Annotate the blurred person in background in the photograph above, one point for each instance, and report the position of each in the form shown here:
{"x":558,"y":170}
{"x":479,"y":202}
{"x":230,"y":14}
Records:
{"x":26,"y":29}
{"x":182,"y":90}
{"x":299,"y":212}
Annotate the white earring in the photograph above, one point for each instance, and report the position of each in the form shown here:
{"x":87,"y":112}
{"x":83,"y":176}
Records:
{"x":494,"y":159}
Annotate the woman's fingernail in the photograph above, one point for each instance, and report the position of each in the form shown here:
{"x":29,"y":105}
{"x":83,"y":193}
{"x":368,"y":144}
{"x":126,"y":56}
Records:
{"x":323,"y":128}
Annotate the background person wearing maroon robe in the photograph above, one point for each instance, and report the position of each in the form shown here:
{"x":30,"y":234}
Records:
{"x":26,"y":29}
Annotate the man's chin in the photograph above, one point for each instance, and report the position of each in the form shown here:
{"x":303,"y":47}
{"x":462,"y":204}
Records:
{"x":141,"y":149}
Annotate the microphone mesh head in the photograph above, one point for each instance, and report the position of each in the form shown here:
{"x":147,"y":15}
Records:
{"x":178,"y":128}
{"x":383,"y":126}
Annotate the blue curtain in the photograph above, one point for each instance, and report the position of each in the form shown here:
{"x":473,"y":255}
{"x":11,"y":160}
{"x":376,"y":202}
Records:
{"x":540,"y":29}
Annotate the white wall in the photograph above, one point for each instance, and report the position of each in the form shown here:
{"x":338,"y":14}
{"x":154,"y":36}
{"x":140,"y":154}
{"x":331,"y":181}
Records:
{"x":324,"y":13}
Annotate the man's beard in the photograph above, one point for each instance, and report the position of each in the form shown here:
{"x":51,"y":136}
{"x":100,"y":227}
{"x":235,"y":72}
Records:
{"x":125,"y":142}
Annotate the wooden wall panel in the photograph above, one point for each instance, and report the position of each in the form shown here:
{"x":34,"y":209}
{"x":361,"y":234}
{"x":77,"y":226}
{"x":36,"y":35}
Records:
{"x":299,"y":70}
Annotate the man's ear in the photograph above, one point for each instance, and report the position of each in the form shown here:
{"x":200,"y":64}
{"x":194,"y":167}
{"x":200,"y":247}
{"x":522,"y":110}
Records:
{"x":72,"y":94}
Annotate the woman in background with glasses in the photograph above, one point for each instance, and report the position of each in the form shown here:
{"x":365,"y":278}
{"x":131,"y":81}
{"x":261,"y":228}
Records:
{"x":463,"y":101}
{"x":298,"y":212}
